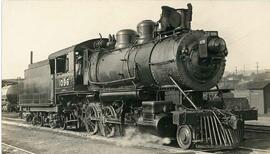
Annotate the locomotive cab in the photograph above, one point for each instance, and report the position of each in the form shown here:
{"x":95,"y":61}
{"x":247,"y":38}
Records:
{"x":66,"y":71}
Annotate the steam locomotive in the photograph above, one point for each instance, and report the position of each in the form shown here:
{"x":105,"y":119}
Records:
{"x":158,"y":78}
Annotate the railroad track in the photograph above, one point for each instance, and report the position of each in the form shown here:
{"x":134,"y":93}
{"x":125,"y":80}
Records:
{"x":116,"y":141}
{"x":240,"y":150}
{"x":7,"y":148}
{"x":255,"y":150}
{"x":250,"y":128}
{"x":13,"y":119}
{"x":257,"y":128}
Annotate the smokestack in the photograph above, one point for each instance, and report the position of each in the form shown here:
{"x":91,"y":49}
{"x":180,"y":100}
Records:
{"x":31,"y":57}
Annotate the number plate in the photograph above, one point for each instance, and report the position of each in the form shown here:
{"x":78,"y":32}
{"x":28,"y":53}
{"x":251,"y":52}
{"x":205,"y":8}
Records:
{"x":64,"y":82}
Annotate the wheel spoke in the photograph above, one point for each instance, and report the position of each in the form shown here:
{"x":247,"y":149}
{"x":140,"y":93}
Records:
{"x":91,"y":125}
{"x":109,"y":129}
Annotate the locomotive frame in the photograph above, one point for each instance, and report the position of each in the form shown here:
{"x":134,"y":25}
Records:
{"x":157,"y":81}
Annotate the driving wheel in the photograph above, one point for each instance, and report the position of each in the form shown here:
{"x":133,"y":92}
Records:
{"x":109,"y":128}
{"x":91,"y":119}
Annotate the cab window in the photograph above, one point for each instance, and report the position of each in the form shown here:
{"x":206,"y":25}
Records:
{"x":62,"y":64}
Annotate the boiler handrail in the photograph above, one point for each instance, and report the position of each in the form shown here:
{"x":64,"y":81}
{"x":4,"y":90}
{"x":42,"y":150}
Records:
{"x":195,"y":107}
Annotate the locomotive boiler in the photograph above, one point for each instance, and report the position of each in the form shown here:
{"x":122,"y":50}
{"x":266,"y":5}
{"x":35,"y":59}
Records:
{"x":157,"y":78}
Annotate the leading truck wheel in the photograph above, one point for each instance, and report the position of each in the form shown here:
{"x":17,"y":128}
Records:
{"x":184,"y":136}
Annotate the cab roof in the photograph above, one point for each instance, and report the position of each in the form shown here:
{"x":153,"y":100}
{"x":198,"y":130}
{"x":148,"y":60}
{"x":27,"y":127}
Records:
{"x":78,"y":47}
{"x":62,"y":52}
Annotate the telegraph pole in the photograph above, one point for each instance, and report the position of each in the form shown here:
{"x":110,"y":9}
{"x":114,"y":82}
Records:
{"x":235,"y":78}
{"x":31,"y":57}
{"x":244,"y":72}
{"x":257,"y":69}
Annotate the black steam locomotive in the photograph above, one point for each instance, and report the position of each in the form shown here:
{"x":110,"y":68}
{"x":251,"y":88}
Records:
{"x":158,"y":78}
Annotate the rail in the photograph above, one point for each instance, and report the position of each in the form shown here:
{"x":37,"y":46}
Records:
{"x":257,"y":128}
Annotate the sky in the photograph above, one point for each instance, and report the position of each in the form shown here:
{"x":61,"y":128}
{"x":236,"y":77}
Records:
{"x":46,"y":26}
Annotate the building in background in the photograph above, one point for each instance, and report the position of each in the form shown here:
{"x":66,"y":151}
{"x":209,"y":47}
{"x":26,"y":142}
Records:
{"x":259,"y":96}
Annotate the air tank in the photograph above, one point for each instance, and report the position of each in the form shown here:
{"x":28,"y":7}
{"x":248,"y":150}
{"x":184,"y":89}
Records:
{"x":13,"y":94}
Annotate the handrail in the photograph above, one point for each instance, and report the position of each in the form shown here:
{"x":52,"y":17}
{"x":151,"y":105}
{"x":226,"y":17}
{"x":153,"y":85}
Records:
{"x":113,"y":82}
{"x":195,"y":107}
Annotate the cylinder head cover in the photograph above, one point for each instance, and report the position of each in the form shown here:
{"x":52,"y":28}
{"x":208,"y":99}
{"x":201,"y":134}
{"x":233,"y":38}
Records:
{"x":145,"y":29}
{"x":125,"y":38}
